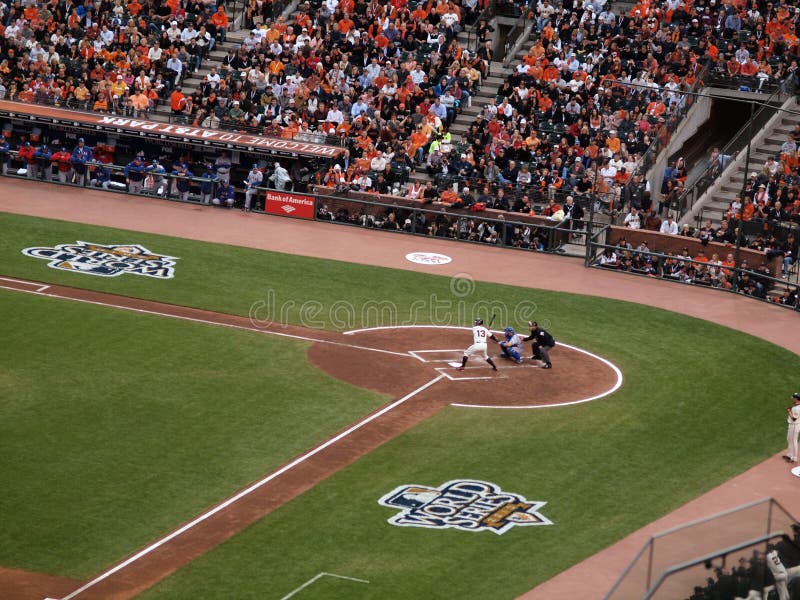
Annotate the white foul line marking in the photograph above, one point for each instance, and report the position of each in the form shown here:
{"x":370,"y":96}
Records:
{"x":320,"y":576}
{"x":252,"y":488}
{"x":22,"y":281}
{"x":195,"y":319}
{"x":606,"y":362}
{"x":444,"y":372}
{"x":452,"y":352}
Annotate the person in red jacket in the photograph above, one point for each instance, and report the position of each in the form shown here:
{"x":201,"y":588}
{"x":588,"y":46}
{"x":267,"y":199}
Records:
{"x":62,"y":162}
{"x":26,"y":152}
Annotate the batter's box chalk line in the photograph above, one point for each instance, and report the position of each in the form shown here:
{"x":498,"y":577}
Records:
{"x":456,"y":375}
{"x":320,"y":576}
{"x":449,"y":355}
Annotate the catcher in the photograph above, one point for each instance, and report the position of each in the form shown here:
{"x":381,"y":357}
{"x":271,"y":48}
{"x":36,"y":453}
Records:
{"x":511,"y":345}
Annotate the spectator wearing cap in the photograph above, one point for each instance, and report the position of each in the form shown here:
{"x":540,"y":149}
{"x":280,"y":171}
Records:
{"x":633,"y":219}
{"x":222,"y":166}
{"x":226,"y":195}
{"x":43,"y":158}
{"x":135,"y":172}
{"x":251,"y":185}
{"x":235,"y":114}
{"x":155,"y":180}
{"x":669,"y":226}
{"x":207,"y":183}
{"x":25,"y":154}
{"x":79,"y":158}
{"x":181,"y":182}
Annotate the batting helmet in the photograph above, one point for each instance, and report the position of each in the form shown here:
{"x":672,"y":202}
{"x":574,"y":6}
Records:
{"x":509,"y":330}
{"x":479,"y":321}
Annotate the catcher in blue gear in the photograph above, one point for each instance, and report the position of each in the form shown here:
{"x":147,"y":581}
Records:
{"x":511,"y":345}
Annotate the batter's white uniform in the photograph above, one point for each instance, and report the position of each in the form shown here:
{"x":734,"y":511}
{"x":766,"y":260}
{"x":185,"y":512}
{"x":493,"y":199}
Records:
{"x":779,"y":573}
{"x":480,"y":338}
{"x":793,"y":431}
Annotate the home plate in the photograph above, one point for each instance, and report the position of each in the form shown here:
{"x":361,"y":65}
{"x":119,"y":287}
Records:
{"x":796,"y":471}
{"x":454,"y":364}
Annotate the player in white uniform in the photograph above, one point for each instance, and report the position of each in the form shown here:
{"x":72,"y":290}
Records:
{"x":778,"y":572}
{"x":480,"y":337}
{"x":793,"y":419}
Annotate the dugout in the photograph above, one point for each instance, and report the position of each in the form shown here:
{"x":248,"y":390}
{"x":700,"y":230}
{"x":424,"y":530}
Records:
{"x":165,"y":141}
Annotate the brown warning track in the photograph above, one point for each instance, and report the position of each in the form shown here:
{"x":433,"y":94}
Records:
{"x":589,"y":579}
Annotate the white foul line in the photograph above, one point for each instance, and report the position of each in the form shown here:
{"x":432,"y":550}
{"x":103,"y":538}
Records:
{"x":251,"y":489}
{"x":22,"y":281}
{"x":444,"y":372}
{"x":320,"y":576}
{"x":194,"y":319}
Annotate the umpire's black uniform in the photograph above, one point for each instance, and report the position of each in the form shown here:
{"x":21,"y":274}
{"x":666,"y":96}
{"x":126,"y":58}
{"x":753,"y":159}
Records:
{"x":542,"y":343}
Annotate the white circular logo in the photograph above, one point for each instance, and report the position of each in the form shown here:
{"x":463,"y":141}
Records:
{"x":428,"y":258}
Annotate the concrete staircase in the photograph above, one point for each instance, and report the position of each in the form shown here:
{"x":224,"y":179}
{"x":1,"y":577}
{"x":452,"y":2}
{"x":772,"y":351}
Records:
{"x":490,"y":85}
{"x":766,"y":143}
{"x":192,"y":80}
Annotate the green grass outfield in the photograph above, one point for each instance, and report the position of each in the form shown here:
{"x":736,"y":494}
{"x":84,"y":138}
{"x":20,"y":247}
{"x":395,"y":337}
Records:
{"x":96,"y":475}
{"x":115,"y":427}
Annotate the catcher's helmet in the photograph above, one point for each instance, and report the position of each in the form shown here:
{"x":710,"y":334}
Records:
{"x":479,"y":321}
{"x":509,"y":330}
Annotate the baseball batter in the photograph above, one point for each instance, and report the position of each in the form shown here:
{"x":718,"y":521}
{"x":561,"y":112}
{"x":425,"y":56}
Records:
{"x":480,"y":339}
{"x":512,"y":345}
{"x":778,"y":572}
{"x":793,"y":419}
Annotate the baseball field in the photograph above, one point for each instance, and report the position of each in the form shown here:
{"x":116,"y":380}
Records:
{"x":122,"y":422}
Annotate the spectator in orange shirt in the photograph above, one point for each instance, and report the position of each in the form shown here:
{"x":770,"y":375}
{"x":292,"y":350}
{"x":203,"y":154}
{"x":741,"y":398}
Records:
{"x":749,"y":68}
{"x":613,"y":143}
{"x":134,"y":8}
{"x":656,"y":108}
{"x":219,"y":21}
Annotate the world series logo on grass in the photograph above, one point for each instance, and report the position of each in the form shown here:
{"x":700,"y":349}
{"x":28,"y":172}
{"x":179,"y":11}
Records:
{"x":106,"y":260}
{"x":466,"y":504}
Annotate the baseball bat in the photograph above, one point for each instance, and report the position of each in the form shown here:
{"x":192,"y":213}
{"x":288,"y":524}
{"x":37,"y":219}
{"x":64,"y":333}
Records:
{"x":491,"y":321}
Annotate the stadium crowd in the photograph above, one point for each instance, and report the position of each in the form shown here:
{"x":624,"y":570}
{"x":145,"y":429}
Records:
{"x":387,"y":80}
{"x":574,"y":117}
{"x":107,"y":56}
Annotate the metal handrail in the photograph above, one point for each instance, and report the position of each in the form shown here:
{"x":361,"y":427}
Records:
{"x":704,"y":181}
{"x":488,"y":14}
{"x":595,"y":249}
{"x":512,"y":37}
{"x":671,"y":123}
{"x":499,"y":222}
